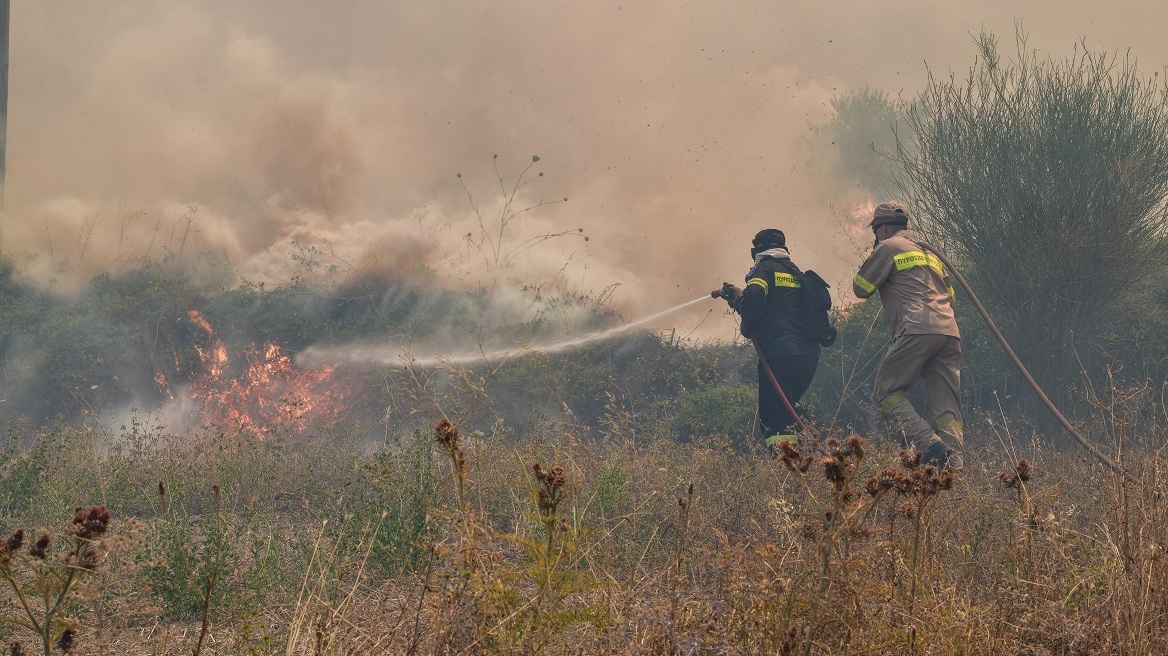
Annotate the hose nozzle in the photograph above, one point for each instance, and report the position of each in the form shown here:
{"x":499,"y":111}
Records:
{"x":717,"y":293}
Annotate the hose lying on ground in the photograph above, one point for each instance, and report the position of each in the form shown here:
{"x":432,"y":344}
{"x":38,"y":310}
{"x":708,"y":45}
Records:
{"x":1021,"y":367}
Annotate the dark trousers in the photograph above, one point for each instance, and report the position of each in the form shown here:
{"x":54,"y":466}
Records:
{"x":794,"y":374}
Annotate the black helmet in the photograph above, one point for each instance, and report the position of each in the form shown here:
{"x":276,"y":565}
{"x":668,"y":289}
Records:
{"x":768,"y":239}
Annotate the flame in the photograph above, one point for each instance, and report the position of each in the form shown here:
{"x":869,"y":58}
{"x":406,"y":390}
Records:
{"x":266,"y":395}
{"x":858,"y":216}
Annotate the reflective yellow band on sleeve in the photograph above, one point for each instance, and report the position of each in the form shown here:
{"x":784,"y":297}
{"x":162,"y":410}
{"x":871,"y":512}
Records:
{"x":864,"y":284}
{"x":952,"y":292}
{"x":910,"y":259}
{"x":786,"y":280}
{"x":760,"y":282}
{"x":890,"y":402}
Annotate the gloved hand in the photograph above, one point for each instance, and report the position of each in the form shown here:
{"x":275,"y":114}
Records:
{"x":730,"y":293}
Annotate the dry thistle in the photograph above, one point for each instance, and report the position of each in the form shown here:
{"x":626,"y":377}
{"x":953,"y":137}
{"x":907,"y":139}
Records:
{"x":90,"y":524}
{"x":887,"y":479}
{"x":65,"y":642}
{"x":911,"y":459}
{"x":854,"y":445}
{"x":1022,"y":473}
{"x":549,"y":495}
{"x":841,"y":461}
{"x":15,"y":540}
{"x":447,"y":437}
{"x":47,"y":586}
{"x":551,"y":488}
{"x":795,"y":461}
{"x":38,"y":549}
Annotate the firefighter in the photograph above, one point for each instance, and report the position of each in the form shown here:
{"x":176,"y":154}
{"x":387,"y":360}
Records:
{"x":775,"y":317}
{"x":918,"y":304}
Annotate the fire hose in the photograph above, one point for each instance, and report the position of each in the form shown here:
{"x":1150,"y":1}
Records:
{"x":1022,"y":368}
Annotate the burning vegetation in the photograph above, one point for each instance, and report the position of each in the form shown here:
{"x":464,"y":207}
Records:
{"x":260,"y":392}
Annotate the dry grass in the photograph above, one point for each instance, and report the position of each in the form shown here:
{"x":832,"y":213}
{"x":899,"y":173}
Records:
{"x":623,"y":543}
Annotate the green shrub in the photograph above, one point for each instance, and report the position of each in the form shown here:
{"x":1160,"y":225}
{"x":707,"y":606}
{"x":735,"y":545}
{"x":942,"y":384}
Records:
{"x":722,"y":409}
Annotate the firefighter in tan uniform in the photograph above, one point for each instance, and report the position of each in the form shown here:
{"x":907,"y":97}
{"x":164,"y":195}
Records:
{"x":918,"y":303}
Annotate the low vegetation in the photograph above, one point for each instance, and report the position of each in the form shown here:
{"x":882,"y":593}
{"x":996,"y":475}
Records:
{"x":550,"y":538}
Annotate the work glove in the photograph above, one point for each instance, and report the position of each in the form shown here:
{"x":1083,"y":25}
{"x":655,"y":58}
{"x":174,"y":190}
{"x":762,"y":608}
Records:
{"x":731,"y":294}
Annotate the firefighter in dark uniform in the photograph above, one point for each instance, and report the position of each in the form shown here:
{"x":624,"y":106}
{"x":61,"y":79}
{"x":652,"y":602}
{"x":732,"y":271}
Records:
{"x":774,"y":316}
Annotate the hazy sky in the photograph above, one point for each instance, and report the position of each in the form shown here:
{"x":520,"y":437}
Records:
{"x":676,"y":130}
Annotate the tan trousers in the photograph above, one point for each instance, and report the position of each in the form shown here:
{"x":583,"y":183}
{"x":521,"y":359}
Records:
{"x":937,"y":360}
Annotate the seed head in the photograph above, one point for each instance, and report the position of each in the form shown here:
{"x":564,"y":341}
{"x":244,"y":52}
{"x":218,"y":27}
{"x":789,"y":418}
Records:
{"x":15,"y":540}
{"x":795,"y":461}
{"x":1022,"y":473}
{"x":948,"y":478}
{"x":1023,"y":469}
{"x":911,"y":459}
{"x":834,"y":470}
{"x":65,"y":642}
{"x":88,"y":524}
{"x":446,"y":434}
{"x":38,"y":549}
{"x":556,"y":478}
{"x":855,"y":445}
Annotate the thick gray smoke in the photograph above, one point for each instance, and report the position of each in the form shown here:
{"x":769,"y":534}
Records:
{"x":232,"y":137}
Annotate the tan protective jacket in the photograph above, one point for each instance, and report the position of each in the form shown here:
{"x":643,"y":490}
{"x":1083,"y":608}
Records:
{"x":914,"y":288}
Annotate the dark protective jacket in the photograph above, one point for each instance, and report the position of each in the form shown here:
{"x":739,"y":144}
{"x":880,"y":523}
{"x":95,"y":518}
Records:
{"x":774,"y":311}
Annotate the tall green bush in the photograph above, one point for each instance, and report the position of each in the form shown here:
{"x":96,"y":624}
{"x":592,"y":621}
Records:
{"x":1046,"y":180}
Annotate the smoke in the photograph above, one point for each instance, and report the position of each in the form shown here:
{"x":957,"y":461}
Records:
{"x":233,"y":139}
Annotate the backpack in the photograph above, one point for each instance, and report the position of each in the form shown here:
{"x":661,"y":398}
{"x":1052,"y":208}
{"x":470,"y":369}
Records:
{"x":817,"y":297}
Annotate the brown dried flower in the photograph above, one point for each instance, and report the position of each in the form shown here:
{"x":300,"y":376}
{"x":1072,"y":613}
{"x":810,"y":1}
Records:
{"x":1023,"y":469}
{"x":446,"y":434}
{"x":1022,"y":474}
{"x":38,"y":549}
{"x":65,"y":642}
{"x":15,"y":540}
{"x":911,"y":459}
{"x":92,"y":523}
{"x":855,"y":445}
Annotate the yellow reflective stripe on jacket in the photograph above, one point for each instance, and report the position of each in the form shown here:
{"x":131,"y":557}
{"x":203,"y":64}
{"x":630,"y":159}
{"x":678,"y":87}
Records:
{"x":952,"y":292}
{"x":785,"y":280}
{"x":910,"y":259}
{"x":863,"y":284}
{"x":760,"y":282}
